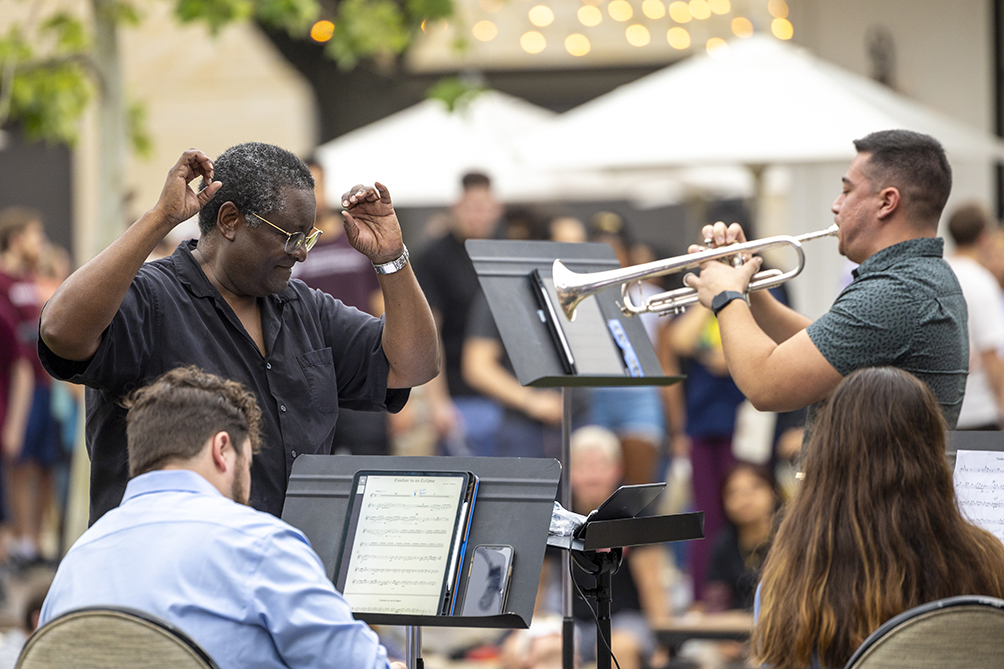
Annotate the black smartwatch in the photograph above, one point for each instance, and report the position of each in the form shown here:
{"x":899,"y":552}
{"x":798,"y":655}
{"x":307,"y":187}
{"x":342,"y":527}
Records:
{"x":723,"y":298}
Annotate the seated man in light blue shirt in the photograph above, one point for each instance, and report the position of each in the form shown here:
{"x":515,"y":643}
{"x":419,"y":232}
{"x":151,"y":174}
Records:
{"x":184,"y":546}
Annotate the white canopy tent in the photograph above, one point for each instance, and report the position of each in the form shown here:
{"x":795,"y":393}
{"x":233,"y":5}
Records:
{"x":421,"y":154}
{"x":764,"y":102}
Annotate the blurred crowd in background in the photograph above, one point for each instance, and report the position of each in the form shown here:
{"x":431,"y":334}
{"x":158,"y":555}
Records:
{"x":716,"y":452}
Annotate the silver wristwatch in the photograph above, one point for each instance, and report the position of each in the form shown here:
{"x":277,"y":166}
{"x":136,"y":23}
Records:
{"x":393,"y":265}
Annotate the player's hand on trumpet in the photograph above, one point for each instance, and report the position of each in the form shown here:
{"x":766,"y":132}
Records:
{"x":720,"y":234}
{"x":715,"y":276}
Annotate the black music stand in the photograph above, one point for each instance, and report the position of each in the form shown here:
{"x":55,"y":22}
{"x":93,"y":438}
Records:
{"x":597,"y":546}
{"x":514,"y":504}
{"x":966,"y":440}
{"x":506,"y":272}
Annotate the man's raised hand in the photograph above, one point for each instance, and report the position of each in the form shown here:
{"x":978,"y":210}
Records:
{"x":178,"y":201}
{"x":371,"y":225}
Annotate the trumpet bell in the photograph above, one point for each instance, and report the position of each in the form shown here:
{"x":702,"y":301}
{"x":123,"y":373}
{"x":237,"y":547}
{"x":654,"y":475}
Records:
{"x":569,"y":294}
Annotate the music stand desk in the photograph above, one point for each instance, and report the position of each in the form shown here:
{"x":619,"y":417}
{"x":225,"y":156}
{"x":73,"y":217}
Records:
{"x":514,"y":504}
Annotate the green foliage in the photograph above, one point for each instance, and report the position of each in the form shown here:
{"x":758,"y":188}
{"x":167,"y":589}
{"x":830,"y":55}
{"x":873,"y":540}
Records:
{"x":139,"y":136}
{"x":368,"y":29}
{"x":295,"y":16}
{"x":50,"y":88}
{"x":119,"y":11}
{"x":421,"y":10}
{"x":68,"y":32}
{"x":54,"y":81}
{"x":216,"y":13}
{"x":455,"y":92}
{"x":49,"y":100}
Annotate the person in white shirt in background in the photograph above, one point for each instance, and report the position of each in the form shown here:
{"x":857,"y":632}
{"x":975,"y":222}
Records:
{"x":983,"y":405}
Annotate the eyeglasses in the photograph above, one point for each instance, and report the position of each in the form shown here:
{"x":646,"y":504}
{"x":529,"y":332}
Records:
{"x":295,"y":240}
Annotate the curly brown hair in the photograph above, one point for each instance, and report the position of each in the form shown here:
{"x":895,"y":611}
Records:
{"x":173,"y":417}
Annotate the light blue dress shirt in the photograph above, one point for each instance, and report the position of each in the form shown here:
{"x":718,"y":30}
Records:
{"x":244,"y":584}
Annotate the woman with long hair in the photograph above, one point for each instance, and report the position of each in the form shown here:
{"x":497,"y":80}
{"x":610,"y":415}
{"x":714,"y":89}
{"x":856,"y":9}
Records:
{"x":873,"y":530}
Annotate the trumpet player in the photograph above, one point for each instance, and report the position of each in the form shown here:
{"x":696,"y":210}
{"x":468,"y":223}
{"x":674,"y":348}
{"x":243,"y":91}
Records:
{"x":904,"y":307}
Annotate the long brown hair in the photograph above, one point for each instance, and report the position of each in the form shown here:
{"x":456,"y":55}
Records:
{"x":874,"y":528}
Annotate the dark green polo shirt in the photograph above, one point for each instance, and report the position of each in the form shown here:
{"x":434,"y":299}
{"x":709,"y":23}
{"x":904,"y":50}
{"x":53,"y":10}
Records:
{"x":904,"y":309}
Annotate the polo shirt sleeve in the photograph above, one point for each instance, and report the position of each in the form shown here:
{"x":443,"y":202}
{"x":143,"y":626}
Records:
{"x":308,"y":620}
{"x":361,"y":368}
{"x":126,"y":344}
{"x":869,"y":325}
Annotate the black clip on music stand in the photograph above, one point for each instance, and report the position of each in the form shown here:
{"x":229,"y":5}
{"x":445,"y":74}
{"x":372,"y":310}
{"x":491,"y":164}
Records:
{"x":514,"y":505}
{"x":597,"y":545}
{"x":506,"y":272}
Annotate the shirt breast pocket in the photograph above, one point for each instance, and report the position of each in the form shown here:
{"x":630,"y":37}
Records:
{"x":318,"y":369}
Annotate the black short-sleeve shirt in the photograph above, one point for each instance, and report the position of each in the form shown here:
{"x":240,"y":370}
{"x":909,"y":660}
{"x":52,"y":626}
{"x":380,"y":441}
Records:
{"x":320,"y":355}
{"x":904,"y":309}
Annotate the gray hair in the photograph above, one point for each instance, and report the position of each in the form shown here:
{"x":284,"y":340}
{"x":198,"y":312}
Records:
{"x":596,"y":438}
{"x":253,"y":176}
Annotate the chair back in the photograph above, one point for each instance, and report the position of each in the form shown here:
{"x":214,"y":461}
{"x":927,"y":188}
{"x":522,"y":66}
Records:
{"x":111,"y":638}
{"x":954,"y":633}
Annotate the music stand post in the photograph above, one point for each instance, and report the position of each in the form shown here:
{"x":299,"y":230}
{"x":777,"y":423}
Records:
{"x":597,"y":546}
{"x":505,"y":271}
{"x":513,"y":506}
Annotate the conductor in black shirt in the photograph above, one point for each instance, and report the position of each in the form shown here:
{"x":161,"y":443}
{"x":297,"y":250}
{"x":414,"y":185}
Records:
{"x":225,"y":302}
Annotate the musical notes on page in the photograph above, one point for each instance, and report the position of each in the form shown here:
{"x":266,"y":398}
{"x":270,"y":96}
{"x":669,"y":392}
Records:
{"x":400,"y":556}
{"x":979,"y":486}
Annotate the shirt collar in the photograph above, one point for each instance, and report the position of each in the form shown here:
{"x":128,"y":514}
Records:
{"x":190,"y":274}
{"x":930,"y":247}
{"x":162,"y":480}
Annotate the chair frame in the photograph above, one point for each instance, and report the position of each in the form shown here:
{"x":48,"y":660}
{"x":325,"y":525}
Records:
{"x":894,"y":622}
{"x":139,"y":616}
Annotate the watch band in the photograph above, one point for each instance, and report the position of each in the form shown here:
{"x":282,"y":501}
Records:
{"x":724,"y":298}
{"x":393,"y":265}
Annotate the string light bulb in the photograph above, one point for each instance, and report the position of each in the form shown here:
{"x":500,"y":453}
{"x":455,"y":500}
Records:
{"x":620,"y":10}
{"x":679,"y":12}
{"x":589,"y":16}
{"x":485,"y":31}
{"x":782,"y":29}
{"x":653,"y":9}
{"x":532,"y":42}
{"x":742,"y":27}
{"x":541,"y":16}
{"x":637,"y":35}
{"x":322,"y":31}
{"x":678,"y":38}
{"x":577,"y":45}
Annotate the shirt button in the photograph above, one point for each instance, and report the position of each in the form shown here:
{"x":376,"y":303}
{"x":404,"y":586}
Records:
{"x":282,"y":407}
{"x":268,"y":365}
{"x":293,"y":453}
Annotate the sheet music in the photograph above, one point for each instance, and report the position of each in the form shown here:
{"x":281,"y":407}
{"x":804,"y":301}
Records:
{"x":400,"y":556}
{"x":979,"y":486}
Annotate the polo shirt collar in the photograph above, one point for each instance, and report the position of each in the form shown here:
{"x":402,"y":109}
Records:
{"x":162,"y":480}
{"x":190,"y":274}
{"x":931,"y":247}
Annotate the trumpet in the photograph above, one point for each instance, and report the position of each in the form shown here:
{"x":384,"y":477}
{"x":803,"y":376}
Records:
{"x":573,"y":287}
